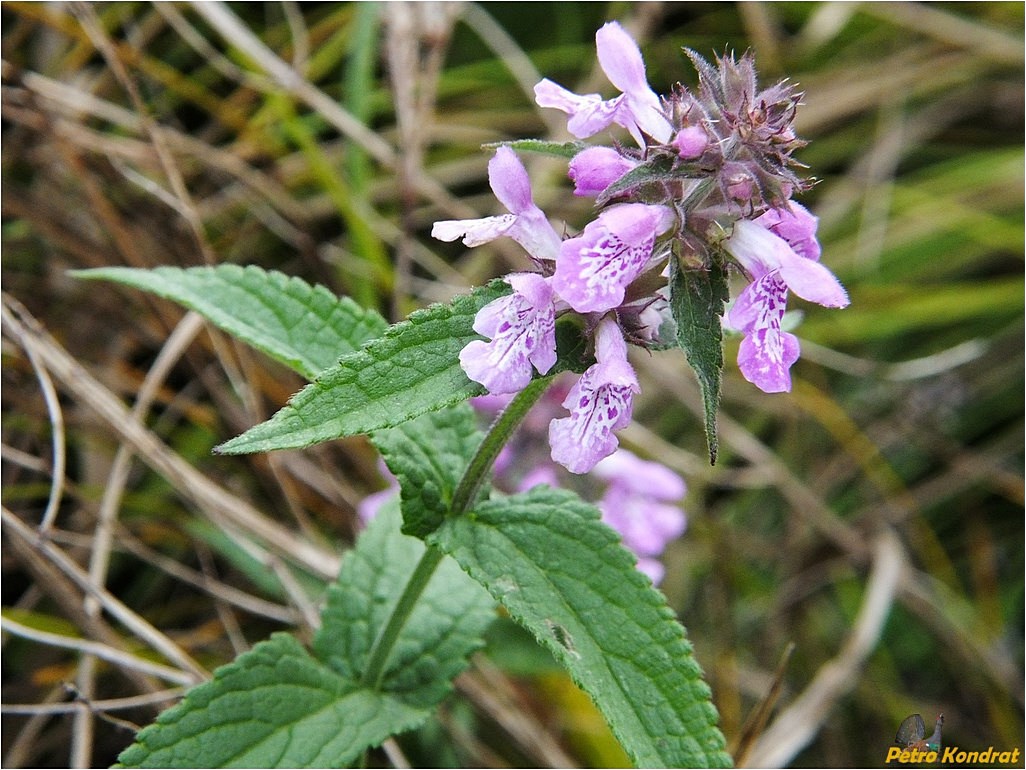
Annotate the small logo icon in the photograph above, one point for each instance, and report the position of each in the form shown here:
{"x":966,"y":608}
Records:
{"x":912,"y":731}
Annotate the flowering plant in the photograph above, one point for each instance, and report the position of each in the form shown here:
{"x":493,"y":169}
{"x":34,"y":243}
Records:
{"x":705,"y":188}
{"x":708,"y":187}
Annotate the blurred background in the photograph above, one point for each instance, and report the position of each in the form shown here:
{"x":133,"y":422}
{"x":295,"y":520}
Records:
{"x":855,"y":556}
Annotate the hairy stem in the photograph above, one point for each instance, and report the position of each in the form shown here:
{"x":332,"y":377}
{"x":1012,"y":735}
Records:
{"x":498,"y":434}
{"x":466,"y":492}
{"x":386,"y":640}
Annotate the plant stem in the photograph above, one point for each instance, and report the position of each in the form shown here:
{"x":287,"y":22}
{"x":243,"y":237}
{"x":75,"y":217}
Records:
{"x":498,"y":434}
{"x":466,"y":492}
{"x":386,"y":640}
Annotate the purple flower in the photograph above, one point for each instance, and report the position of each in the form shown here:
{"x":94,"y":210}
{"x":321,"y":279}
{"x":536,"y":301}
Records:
{"x":522,"y":332}
{"x":780,"y":252}
{"x":690,"y":142}
{"x":595,"y":268}
{"x":797,"y":227}
{"x":637,"y":109}
{"x":594,"y":169}
{"x":526,"y":223}
{"x":599,"y":403}
{"x":637,"y":504}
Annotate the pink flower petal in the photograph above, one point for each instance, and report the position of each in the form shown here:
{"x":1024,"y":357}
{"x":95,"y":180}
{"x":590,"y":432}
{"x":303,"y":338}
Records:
{"x":509,"y":181}
{"x":592,"y":117}
{"x":522,"y":331}
{"x":595,"y":268}
{"x":526,"y":224}
{"x":637,"y":109}
{"x":623,"y":64}
{"x":550,"y":94}
{"x":599,"y":403}
{"x":760,"y":304}
{"x":765,"y":358}
{"x":691,"y":142}
{"x":756,"y":248}
{"x":812,"y":281}
{"x":796,"y":225}
{"x":594,"y":169}
{"x":620,"y":58}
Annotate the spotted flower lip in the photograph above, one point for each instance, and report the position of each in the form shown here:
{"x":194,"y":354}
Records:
{"x":637,"y":109}
{"x":522,"y":331}
{"x":595,"y":268}
{"x":776,"y":263}
{"x":526,"y":223}
{"x":600,"y":403}
{"x":767,"y":353}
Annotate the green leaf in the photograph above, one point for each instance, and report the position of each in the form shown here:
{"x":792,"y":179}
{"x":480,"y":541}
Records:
{"x":557,"y":149}
{"x":697,"y":297}
{"x":648,"y":183}
{"x":305,"y":327}
{"x":563,"y":575}
{"x":659,"y":170}
{"x":279,"y":706}
{"x":412,"y":369}
{"x":447,"y":624}
{"x":274,"y":706}
{"x":429,"y":455}
{"x":571,"y":346}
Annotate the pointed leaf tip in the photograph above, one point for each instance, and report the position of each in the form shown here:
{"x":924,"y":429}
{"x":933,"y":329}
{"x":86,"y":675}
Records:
{"x":413,"y":368}
{"x":304,"y":326}
{"x":697,"y":299}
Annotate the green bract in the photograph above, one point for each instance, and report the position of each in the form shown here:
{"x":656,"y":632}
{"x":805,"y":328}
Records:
{"x":696,"y":301}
